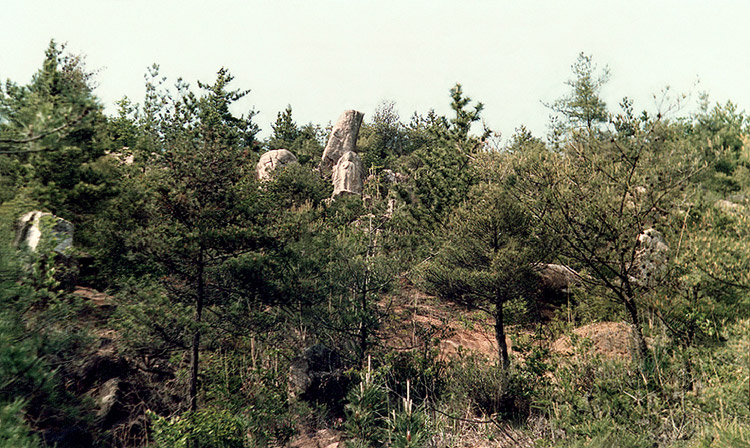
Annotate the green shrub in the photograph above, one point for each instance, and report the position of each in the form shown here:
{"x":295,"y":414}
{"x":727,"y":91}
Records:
{"x":205,"y":428}
{"x":366,"y":411}
{"x":13,"y":429}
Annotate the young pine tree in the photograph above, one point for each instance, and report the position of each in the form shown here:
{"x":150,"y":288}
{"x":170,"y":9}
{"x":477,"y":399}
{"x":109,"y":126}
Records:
{"x":488,"y":258}
{"x":206,"y":208}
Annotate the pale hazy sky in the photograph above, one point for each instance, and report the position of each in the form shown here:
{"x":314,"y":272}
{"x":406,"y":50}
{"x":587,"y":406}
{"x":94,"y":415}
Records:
{"x":323,"y":57}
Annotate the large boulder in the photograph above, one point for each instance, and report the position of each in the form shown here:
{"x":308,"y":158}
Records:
{"x":343,"y":139}
{"x":555,"y":283}
{"x":51,"y":238}
{"x":348,"y":175}
{"x":557,"y":277}
{"x":273,"y":160}
{"x":316,"y":376}
{"x":44,"y":231}
{"x":651,"y":256}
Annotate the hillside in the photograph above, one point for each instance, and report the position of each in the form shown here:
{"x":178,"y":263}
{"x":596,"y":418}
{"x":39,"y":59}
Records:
{"x":169,"y":279}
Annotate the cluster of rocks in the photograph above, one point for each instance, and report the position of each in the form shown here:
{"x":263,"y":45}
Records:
{"x":646,"y":270}
{"x":340,"y":160}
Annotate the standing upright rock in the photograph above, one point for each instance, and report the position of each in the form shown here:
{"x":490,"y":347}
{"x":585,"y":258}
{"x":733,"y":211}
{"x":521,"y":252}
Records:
{"x":348,"y":175}
{"x":342,"y":140}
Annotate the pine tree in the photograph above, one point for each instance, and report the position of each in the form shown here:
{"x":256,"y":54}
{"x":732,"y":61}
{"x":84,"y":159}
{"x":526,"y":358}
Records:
{"x":445,"y":173}
{"x":488,"y":258}
{"x":582,"y":109}
{"x":600,"y":193}
{"x":206,"y":208}
{"x":50,"y":133}
{"x":285,"y":130}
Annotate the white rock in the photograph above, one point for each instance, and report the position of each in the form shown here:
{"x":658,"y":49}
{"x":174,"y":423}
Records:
{"x":273,"y":160}
{"x":342,"y":140}
{"x":728,"y":206}
{"x":348,"y":175}
{"x":651,"y":258}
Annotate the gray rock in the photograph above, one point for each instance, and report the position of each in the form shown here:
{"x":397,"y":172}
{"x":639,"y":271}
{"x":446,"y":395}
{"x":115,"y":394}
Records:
{"x":557,"y":277}
{"x":348,"y":175}
{"x":392,"y":177}
{"x":53,"y":233}
{"x":107,"y":398}
{"x":651,"y":257}
{"x":273,"y":160}
{"x":342,"y":140}
{"x":51,"y":238}
{"x":554,"y":288}
{"x":316,"y":376}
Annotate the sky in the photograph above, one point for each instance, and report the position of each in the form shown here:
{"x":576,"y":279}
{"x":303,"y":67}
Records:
{"x":325,"y":56}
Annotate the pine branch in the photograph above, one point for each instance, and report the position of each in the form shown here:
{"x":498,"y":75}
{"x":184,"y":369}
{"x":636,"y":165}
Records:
{"x":10,"y":141}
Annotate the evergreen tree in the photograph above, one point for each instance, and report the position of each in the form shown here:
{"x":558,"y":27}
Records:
{"x":445,"y":172}
{"x":382,"y":139}
{"x":206,"y":209}
{"x":285,"y":130}
{"x":601,"y":193}
{"x":583,"y":108}
{"x":306,"y":142}
{"x":488,"y":257}
{"x":50,"y":133}
{"x":720,"y":133}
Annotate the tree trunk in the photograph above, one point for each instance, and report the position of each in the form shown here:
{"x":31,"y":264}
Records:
{"x":635,"y":322}
{"x":502,"y":346}
{"x":197,"y":335}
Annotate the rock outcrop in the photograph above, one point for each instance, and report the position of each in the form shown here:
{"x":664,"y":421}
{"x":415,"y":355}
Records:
{"x":729,"y":206}
{"x":343,"y":139}
{"x":271,"y":161}
{"x":651,"y":258}
{"x":53,"y":233}
{"x":348,"y":175}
